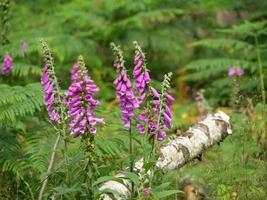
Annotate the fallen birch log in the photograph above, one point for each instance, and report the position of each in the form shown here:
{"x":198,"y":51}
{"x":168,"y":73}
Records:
{"x":177,"y":152}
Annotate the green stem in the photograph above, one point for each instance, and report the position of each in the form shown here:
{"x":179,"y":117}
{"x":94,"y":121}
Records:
{"x":263,"y":95}
{"x":131,"y":148}
{"x":50,"y":166}
{"x":87,"y":178}
{"x":131,"y":153}
{"x":154,"y":143}
{"x":66,"y":158}
{"x":260,"y":71}
{"x":89,"y":182}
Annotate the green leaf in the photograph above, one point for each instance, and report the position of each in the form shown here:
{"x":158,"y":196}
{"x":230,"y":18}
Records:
{"x":65,"y":190}
{"x":107,"y":191}
{"x":148,"y":165}
{"x":163,"y":194}
{"x":162,"y":186}
{"x":132,"y":176}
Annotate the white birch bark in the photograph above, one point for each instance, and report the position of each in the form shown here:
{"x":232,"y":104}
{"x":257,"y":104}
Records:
{"x":180,"y":150}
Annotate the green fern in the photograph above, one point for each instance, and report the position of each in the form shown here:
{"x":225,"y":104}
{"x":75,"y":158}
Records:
{"x":23,"y":70}
{"x":206,"y":68}
{"x":19,"y":101}
{"x":232,"y":45}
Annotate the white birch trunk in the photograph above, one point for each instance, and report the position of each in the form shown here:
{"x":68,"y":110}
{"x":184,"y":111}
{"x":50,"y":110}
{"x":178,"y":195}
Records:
{"x":180,"y":150}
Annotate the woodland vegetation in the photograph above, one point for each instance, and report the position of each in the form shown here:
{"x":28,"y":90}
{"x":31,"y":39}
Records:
{"x":123,"y":99}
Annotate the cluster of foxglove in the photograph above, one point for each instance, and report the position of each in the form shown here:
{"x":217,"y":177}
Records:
{"x":81,"y":101}
{"x":124,"y":92}
{"x":7,"y":65}
{"x":128,"y":102}
{"x":79,"y":98}
{"x":49,"y":97}
{"x":158,"y":116}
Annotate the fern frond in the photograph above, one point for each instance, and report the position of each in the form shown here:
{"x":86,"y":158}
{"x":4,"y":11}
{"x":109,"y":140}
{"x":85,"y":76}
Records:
{"x":150,"y":18}
{"x":14,"y":48}
{"x":217,"y":63}
{"x":223,"y":43}
{"x":23,"y":69}
{"x":19,"y":101}
{"x":108,"y":147}
{"x":206,"y":68}
{"x":247,"y":29}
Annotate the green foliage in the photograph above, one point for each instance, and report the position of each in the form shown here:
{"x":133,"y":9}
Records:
{"x":19,"y":101}
{"x":199,"y":40}
{"x":237,"y":46}
{"x":233,"y":169}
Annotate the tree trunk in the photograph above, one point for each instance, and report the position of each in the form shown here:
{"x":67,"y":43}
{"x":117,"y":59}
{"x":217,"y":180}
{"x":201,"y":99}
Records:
{"x":177,"y":152}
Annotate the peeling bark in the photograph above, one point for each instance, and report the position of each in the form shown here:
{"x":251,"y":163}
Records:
{"x":177,"y":152}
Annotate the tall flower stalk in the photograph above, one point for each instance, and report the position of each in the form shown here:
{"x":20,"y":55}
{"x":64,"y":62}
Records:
{"x":81,"y":105}
{"x":164,"y":118}
{"x":150,"y":118}
{"x":124,"y":92}
{"x":81,"y":102}
{"x":54,"y":105}
{"x":140,"y":74}
{"x":51,"y":86}
{"x":157,"y":116}
{"x":165,"y":115}
{"x":127,"y":100}
{"x":260,"y":68}
{"x":263,"y":94}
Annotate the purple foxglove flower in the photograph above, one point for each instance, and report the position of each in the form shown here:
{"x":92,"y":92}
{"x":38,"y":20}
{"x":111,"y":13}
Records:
{"x":128,"y":102}
{"x":74,"y":72}
{"x":81,"y":101}
{"x":148,"y":192}
{"x":142,"y":117}
{"x":141,"y":128}
{"x":49,"y":98}
{"x":161,"y":135}
{"x":7,"y":65}
{"x":141,"y":76}
{"x":170,"y":99}
{"x":239,"y":71}
{"x":155,"y":92}
{"x":152,"y":118}
{"x":231,"y":71}
{"x":167,"y":115}
{"x":152,"y":126}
